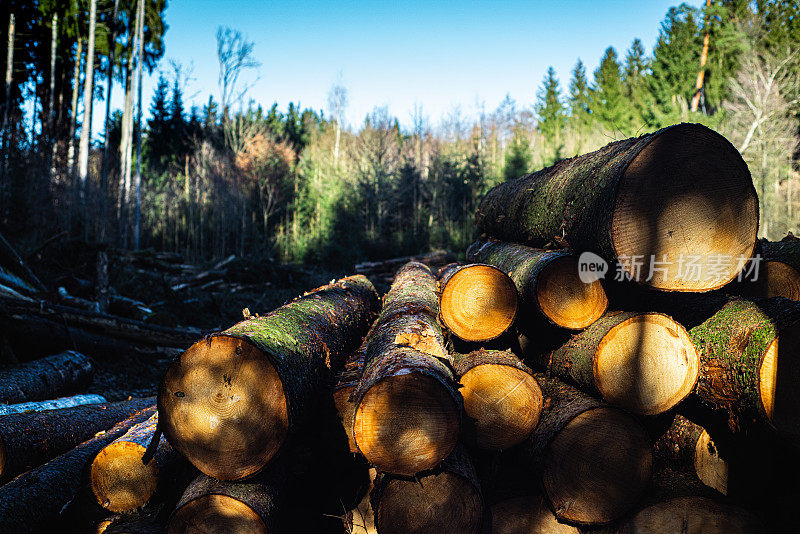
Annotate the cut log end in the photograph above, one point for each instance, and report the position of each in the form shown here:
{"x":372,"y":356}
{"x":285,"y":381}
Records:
{"x":224,"y":407}
{"x":347,"y":412}
{"x":776,"y":279}
{"x":444,"y":502}
{"x":779,"y":375}
{"x":120,"y":481}
{"x":565,"y":299}
{"x":686,"y":196}
{"x":478,"y":303}
{"x":405,"y":413}
{"x":596,"y":468}
{"x":646,"y":364}
{"x":692,"y":515}
{"x":525,"y":514}
{"x":504,"y":402}
{"x":216,"y":513}
{"x":711,"y":469}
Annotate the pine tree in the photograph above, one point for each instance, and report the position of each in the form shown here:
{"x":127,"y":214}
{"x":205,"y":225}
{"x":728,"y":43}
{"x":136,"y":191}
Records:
{"x":158,"y":135}
{"x":608,"y":99}
{"x":552,"y":120}
{"x":634,"y":80}
{"x":579,"y":112}
{"x":518,"y":157}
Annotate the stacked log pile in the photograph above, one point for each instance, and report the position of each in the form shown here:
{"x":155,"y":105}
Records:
{"x":522,"y":390}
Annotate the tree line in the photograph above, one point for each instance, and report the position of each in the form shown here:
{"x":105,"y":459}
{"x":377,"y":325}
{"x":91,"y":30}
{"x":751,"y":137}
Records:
{"x":232,"y":176}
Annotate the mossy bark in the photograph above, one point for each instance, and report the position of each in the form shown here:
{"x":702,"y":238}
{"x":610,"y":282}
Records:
{"x":47,"y":378}
{"x":522,"y":264}
{"x":32,"y":500}
{"x":732,"y":344}
{"x":30,"y":439}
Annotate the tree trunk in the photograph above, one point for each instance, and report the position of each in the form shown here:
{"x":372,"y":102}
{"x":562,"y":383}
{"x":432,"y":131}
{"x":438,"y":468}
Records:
{"x":7,"y":103}
{"x":120,"y":480}
{"x":748,"y":368}
{"x":51,"y":96}
{"x":548,"y":283}
{"x":477,"y":302}
{"x":54,"y":404}
{"x":698,"y":86}
{"x":501,"y":398}
{"x":649,"y":202}
{"x":34,"y":499}
{"x":211,"y":505}
{"x":138,"y":184}
{"x":73,"y":117}
{"x":595,"y":460}
{"x":407,"y":417}
{"x":28,"y":440}
{"x":112,"y":51}
{"x":246,"y":388}
{"x":88,"y":100}
{"x":47,"y":378}
{"x":405,"y":506}
{"x":643,"y":362}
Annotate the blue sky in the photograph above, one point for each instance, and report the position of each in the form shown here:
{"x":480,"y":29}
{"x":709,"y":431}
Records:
{"x":438,"y":54}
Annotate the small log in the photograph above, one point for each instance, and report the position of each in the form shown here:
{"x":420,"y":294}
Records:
{"x":343,"y":390}
{"x":685,"y":445}
{"x":34,"y":499}
{"x":120,"y":480}
{"x":46,"y":378}
{"x":229,"y":402}
{"x":408,"y":410}
{"x":595,"y":460}
{"x":692,"y":515}
{"x":477,"y":302}
{"x":664,"y":197}
{"x":501,"y":397}
{"x":447,"y":500}
{"x":749,"y":370}
{"x":54,"y":404}
{"x":548,"y":282}
{"x":643,"y":362}
{"x":30,"y":439}
{"x":527,"y":514}
{"x":211,"y":505}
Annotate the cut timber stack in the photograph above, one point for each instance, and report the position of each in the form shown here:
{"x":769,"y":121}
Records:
{"x":679,"y":192}
{"x":548,"y":283}
{"x":407,"y":418}
{"x":643,"y":362}
{"x":477,"y":302}
{"x":230,"y":401}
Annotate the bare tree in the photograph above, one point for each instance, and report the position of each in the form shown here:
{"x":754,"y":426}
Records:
{"x":337,"y":101}
{"x":9,"y":71}
{"x":112,"y":50}
{"x":139,"y":60}
{"x":73,"y":117}
{"x":235,"y":55}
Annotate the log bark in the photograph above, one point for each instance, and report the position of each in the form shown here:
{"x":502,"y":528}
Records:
{"x":548,"y":283}
{"x":527,"y":513}
{"x":34,"y":499}
{"x":343,"y":390}
{"x":229,"y":402}
{"x":477,"y":302}
{"x":777,"y":273}
{"x":119,"y":478}
{"x":501,"y":398}
{"x":54,"y":376}
{"x":679,"y":192}
{"x":643,"y":362}
{"x":28,"y":440}
{"x":11,"y":260}
{"x":446,"y":500}
{"x":211,"y":505}
{"x":54,"y":404}
{"x":748,"y":369}
{"x":594,"y":459}
{"x":407,"y":417}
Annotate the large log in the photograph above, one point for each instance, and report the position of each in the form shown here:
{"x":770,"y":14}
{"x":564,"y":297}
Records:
{"x":692,"y":515}
{"x":595,"y":460}
{"x":54,"y":404}
{"x":527,"y":514}
{"x":548,"y":282}
{"x":119,"y":478}
{"x":233,"y":507}
{"x":777,"y":273}
{"x":408,"y":410}
{"x":229,"y":402}
{"x":34,"y":499}
{"x":30,"y":439}
{"x":749,"y":365}
{"x":678,"y":193}
{"x":446,"y":500}
{"x":643,"y":362}
{"x":54,"y":376}
{"x":477,"y":302}
{"x":501,"y":398}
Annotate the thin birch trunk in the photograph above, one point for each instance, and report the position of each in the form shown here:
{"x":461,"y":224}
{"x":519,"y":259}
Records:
{"x":86,"y":128}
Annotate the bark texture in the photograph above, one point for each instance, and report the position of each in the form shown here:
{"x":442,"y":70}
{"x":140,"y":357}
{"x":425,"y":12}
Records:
{"x":30,"y":439}
{"x":786,"y":250}
{"x":55,"y":404}
{"x":32,"y":500}
{"x":47,"y":378}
